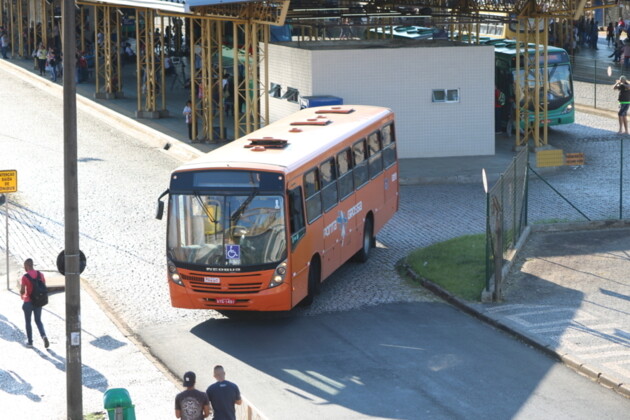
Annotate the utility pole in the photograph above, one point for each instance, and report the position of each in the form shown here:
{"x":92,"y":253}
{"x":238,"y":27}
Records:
{"x":74,"y":382}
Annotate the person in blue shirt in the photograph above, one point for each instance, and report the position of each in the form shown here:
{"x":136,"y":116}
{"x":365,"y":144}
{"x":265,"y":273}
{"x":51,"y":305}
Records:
{"x":223,"y":395}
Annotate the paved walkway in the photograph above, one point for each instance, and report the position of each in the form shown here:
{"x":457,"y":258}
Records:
{"x":576,"y":309}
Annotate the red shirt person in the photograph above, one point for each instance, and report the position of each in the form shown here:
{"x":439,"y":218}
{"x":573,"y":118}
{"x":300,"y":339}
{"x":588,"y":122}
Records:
{"x":26,"y":289}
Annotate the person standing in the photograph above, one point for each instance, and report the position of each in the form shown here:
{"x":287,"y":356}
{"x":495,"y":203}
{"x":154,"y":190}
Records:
{"x":624,"y":103}
{"x":42,"y":56}
{"x":191,"y":404}
{"x":26,"y":288}
{"x":223,"y":395}
{"x":4,"y":44}
{"x":189,"y":119}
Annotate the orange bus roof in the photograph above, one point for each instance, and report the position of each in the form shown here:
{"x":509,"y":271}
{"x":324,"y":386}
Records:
{"x":314,"y":133}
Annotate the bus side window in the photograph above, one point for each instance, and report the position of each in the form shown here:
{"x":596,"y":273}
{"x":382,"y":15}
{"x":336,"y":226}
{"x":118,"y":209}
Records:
{"x":389,"y":145}
{"x":376,"y":158}
{"x":296,"y":215}
{"x":359,"y":154}
{"x":312,"y":189}
{"x":328,"y":172}
{"x":346,"y":184}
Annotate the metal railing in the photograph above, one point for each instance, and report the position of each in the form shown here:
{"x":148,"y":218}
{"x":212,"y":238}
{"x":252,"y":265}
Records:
{"x":506,"y":217}
{"x":593,"y":80}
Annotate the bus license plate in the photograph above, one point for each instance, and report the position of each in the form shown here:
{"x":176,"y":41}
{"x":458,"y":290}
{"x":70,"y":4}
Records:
{"x":213,"y":280}
{"x":226,"y":301}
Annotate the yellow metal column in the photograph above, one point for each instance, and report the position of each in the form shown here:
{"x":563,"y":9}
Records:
{"x":147,"y":65}
{"x":162,"y":71}
{"x":196,"y":76}
{"x":20,"y":28}
{"x":107,"y":72}
{"x":81,"y":25}
{"x":215,"y":48}
{"x":42,"y":22}
{"x":140,"y":42}
{"x":11,"y":26}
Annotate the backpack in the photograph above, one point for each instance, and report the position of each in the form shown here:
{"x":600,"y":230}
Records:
{"x":39,"y":295}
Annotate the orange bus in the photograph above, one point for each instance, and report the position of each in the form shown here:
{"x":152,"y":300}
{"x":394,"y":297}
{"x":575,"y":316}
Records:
{"x":259,"y":223}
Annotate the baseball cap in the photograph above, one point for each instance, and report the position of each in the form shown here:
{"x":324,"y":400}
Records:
{"x":189,"y":378}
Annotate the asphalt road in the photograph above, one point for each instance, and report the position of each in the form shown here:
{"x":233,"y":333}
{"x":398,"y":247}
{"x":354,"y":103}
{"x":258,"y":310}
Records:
{"x":372,"y":346}
{"x":394,"y":361}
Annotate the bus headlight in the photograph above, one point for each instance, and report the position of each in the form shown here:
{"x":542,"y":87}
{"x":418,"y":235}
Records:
{"x":173,"y":275}
{"x":568,"y":109}
{"x":278,"y":275}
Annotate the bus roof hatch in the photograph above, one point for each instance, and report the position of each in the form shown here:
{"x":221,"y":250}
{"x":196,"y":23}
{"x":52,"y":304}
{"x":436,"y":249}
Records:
{"x":268,"y":143}
{"x":335,"y":110}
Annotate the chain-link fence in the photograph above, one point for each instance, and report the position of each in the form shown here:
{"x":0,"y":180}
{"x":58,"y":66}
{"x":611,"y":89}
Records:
{"x":506,"y":216}
{"x":592,"y":84}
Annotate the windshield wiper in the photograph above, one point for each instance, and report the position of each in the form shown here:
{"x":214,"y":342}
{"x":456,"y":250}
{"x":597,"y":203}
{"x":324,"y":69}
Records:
{"x":205,"y":209}
{"x":243,"y":206}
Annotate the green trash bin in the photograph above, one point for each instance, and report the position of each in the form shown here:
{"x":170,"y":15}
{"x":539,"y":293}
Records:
{"x":118,"y":404}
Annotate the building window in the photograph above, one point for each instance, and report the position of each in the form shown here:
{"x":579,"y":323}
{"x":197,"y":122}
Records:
{"x":291,"y":95}
{"x":445,"y":95}
{"x":275,"y":91}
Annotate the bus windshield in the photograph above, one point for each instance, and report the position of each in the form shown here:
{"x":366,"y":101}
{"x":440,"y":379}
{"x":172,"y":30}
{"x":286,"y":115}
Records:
{"x":226,"y":230}
{"x":560,"y":91}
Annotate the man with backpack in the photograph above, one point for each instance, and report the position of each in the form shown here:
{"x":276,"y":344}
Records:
{"x":34,"y":294}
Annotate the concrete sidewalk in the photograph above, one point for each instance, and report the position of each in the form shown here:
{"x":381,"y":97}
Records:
{"x":33,"y":380}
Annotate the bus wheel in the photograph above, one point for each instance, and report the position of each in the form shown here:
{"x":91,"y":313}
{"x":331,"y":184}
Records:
{"x":368,"y":241}
{"x":313,"y":283}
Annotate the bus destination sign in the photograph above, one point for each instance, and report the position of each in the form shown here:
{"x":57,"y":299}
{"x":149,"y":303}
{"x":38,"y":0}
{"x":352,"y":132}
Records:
{"x":8,"y":181}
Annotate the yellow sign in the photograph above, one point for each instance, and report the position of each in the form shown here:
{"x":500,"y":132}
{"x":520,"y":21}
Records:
{"x":8,"y":181}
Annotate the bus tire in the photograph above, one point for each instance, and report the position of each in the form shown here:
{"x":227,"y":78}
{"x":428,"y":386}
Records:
{"x":368,"y":241}
{"x":314,"y":280}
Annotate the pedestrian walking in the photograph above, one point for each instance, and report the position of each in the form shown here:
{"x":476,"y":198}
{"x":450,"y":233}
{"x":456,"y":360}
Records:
{"x":51,"y":62}
{"x":610,"y":33}
{"x":191,"y":404}
{"x":189,"y":119}
{"x":26,"y":289}
{"x":223,"y":395}
{"x":624,"y":103}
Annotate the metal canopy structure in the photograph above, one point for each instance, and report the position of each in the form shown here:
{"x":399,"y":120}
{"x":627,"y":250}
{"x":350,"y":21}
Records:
{"x":210,"y":22}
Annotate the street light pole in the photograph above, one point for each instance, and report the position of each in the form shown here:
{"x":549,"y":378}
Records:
{"x":74,"y":383}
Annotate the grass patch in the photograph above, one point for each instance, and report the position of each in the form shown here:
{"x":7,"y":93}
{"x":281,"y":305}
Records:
{"x":458,"y":265}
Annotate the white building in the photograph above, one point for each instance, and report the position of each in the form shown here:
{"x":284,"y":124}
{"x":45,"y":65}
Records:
{"x":442,"y":92}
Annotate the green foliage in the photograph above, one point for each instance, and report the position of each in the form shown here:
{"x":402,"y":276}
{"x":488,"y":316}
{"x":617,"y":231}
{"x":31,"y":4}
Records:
{"x":458,"y":265}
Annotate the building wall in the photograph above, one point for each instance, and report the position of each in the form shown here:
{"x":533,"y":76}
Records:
{"x":401,"y":79}
{"x":290,"y":67}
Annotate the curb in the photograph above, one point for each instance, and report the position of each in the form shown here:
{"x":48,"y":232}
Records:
{"x":596,"y":111}
{"x":566,"y":359}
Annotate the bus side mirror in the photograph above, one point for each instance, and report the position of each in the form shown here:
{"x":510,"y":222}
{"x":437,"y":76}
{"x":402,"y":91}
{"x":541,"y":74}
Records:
{"x":160,"y":210}
{"x":160,"y":206}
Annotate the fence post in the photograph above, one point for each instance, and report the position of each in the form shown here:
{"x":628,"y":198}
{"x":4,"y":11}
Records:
{"x":595,"y":85}
{"x":621,"y":179}
{"x":514,"y":235}
{"x":488,"y":234}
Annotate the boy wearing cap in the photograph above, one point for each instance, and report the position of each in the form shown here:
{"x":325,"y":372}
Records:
{"x":624,"y":103}
{"x":191,"y":404}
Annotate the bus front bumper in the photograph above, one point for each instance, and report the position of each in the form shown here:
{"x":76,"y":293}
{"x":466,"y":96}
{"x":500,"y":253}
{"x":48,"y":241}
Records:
{"x":274,"y":299}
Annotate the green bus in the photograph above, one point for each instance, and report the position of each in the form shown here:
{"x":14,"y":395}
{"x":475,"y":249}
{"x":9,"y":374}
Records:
{"x":560,"y":106}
